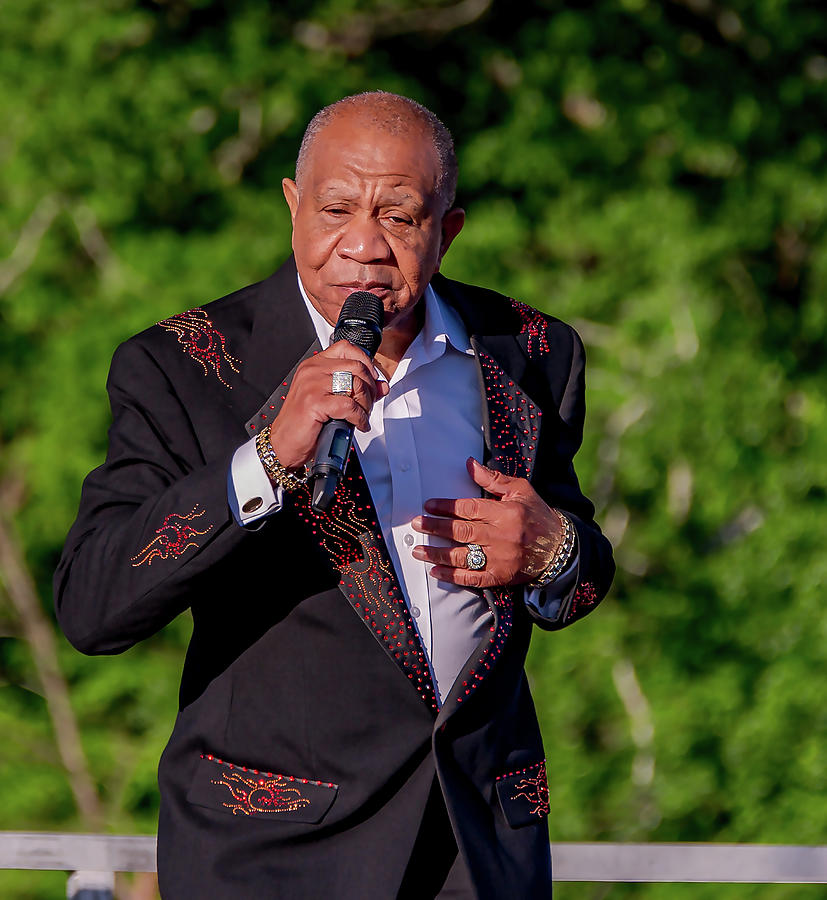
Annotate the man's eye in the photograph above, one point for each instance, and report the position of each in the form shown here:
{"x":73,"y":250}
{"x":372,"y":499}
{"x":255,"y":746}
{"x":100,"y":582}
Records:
{"x":336,"y":211}
{"x":399,"y":220}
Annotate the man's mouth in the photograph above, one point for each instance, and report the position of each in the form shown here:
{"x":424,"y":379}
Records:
{"x":375,"y":287}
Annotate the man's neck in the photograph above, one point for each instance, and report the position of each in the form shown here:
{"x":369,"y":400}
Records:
{"x":397,"y":339}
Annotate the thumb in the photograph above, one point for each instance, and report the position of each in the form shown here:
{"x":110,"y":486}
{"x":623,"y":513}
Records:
{"x":494,"y":482}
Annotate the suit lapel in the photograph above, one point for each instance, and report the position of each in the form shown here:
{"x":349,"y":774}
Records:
{"x":350,"y":535}
{"x":511,"y":426}
{"x":511,"y":419}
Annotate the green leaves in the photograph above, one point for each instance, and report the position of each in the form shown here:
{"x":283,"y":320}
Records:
{"x":654,"y":173}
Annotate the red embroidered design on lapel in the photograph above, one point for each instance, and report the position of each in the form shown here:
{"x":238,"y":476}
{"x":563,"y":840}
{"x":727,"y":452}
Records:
{"x":504,"y":604}
{"x":357,"y":550}
{"x":173,"y":537}
{"x":513,"y":420}
{"x":202,"y":341}
{"x":533,"y":788}
{"x":534,"y":325}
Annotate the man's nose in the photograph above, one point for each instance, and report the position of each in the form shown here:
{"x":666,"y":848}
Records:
{"x":365,"y":241}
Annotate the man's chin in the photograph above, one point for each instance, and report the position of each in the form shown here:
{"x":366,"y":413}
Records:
{"x":408,"y":317}
{"x":394,"y":304}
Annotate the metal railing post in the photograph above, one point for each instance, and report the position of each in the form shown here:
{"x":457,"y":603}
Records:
{"x":91,"y":886}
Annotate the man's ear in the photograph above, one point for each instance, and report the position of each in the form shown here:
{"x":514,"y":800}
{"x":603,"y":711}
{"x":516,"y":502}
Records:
{"x":452,"y":223}
{"x":291,"y":195}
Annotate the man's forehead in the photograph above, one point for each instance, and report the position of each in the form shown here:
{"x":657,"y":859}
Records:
{"x":344,"y":161}
{"x":393,"y":188}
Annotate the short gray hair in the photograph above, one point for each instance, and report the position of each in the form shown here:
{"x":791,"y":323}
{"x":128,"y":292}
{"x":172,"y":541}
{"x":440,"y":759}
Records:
{"x":392,"y":113}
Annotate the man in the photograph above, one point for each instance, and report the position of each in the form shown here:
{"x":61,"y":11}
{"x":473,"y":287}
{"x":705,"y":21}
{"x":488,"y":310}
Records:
{"x":354,"y":716}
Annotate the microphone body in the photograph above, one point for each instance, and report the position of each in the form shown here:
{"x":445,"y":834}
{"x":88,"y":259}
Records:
{"x":360,"y":323}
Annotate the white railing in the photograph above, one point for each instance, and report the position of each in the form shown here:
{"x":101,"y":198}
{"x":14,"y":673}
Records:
{"x":599,"y":862}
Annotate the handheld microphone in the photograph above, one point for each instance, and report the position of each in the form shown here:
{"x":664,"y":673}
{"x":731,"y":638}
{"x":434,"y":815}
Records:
{"x":360,"y":323}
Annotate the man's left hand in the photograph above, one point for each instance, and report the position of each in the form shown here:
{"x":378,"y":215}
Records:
{"x":517,"y":530}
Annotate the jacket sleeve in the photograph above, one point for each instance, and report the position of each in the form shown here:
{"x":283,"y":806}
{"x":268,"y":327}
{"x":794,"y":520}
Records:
{"x":556,"y":482}
{"x":154,"y":519}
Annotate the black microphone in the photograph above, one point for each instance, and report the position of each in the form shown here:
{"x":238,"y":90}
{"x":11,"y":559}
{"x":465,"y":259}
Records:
{"x":360,"y":322}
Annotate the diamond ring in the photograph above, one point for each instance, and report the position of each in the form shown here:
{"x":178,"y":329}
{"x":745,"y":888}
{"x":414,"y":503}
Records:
{"x":342,"y":383}
{"x":475,"y":558}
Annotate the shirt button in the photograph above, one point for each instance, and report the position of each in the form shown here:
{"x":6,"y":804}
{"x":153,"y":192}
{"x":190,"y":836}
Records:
{"x":404,"y":466}
{"x":252,"y":505}
{"x":409,"y":539}
{"x":416,"y":612}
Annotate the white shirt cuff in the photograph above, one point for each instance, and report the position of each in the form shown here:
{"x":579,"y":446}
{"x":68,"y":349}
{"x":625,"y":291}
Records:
{"x":546,"y":601}
{"x":250,"y":492}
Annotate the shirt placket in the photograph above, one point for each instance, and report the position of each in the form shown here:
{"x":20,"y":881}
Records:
{"x":407,"y":500}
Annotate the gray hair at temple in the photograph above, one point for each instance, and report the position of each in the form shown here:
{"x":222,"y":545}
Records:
{"x":392,"y":113}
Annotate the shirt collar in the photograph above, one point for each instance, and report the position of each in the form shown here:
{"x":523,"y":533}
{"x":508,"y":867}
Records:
{"x":442,"y":326}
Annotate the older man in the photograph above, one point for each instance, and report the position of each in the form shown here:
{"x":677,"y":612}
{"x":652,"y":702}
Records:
{"x":354,"y":716}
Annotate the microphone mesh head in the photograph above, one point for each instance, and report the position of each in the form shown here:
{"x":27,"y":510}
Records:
{"x":360,"y":321}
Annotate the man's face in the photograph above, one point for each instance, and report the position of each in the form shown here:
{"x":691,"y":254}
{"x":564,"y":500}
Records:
{"x":367,"y":217}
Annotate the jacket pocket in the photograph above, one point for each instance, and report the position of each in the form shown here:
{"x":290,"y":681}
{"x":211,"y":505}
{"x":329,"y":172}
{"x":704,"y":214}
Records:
{"x":242,"y":791}
{"x":523,"y":795}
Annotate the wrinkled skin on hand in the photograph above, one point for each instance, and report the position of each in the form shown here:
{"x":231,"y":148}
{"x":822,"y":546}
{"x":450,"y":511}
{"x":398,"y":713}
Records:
{"x":517,"y":530}
{"x":310,"y":401}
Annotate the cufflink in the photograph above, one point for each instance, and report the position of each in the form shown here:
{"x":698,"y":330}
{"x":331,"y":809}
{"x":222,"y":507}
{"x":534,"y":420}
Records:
{"x":252,"y":505}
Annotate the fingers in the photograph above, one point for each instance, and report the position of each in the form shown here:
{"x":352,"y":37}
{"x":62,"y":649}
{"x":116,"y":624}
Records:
{"x":449,"y":564}
{"x":345,"y":350}
{"x":350,"y":409}
{"x":345,"y":355}
{"x":515,"y":528}
{"x":493,"y":482}
{"x":314,"y":382}
{"x":466,"y":577}
{"x":473,"y":508}
{"x":451,"y":557}
{"x":366,"y":383}
{"x":310,"y":401}
{"x":480,"y":509}
{"x":363,"y":395}
{"x":460,"y":530}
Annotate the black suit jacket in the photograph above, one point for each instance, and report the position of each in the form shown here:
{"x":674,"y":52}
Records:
{"x":309,"y":734}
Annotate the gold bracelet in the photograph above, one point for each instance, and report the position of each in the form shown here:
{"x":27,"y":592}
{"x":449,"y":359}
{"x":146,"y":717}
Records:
{"x":274,"y":469}
{"x":562,"y":554}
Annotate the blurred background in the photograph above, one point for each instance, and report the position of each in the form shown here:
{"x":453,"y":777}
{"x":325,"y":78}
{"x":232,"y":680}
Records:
{"x":652,"y":171}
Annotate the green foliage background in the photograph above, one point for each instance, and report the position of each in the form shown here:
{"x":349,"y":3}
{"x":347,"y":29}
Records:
{"x":652,"y":171}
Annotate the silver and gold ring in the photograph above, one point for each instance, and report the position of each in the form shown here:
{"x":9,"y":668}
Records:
{"x":475,"y":559}
{"x":342,"y":383}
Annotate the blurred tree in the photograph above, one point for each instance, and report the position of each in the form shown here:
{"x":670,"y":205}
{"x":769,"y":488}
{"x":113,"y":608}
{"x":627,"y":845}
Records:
{"x":652,"y":170}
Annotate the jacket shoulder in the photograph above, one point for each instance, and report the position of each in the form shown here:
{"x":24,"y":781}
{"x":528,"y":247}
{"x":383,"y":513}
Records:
{"x":207,"y":340}
{"x":229,"y":314}
{"x":486,"y":311}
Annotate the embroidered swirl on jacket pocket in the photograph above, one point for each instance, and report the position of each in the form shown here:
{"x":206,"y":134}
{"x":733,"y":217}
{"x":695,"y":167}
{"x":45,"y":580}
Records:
{"x":523,"y":794}
{"x":245,"y":791}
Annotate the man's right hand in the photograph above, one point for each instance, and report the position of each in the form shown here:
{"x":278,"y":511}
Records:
{"x":310,"y":402}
